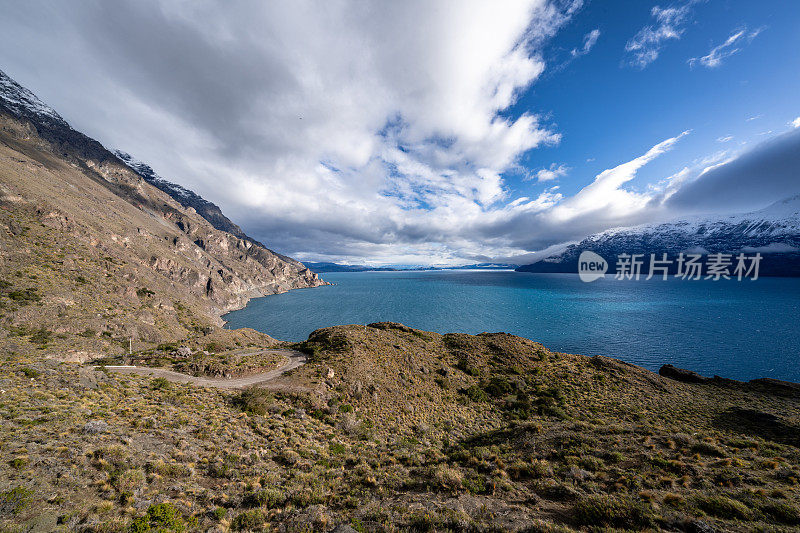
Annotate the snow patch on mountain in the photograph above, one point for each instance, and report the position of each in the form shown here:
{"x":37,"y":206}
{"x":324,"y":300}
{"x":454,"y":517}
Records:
{"x":147,"y":172}
{"x":23,"y":102}
{"x":779,"y":218}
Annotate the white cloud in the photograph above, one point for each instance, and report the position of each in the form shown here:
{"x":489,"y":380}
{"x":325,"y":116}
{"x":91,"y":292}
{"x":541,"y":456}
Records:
{"x":606,"y":193}
{"x":731,"y":46}
{"x":725,"y":138}
{"x":551,"y":173}
{"x":795,"y":123}
{"x":645,"y":46}
{"x":332,"y":130}
{"x":589,"y":40}
{"x":335,"y":128}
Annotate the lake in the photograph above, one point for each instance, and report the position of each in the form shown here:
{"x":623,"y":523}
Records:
{"x":736,"y":329}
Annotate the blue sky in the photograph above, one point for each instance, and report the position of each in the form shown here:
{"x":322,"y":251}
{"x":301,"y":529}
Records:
{"x":609,"y":111}
{"x":431,"y":132}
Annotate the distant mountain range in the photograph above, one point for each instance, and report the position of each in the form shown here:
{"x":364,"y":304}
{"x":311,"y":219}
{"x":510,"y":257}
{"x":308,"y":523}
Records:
{"x":774,"y":232}
{"x":322,"y":267}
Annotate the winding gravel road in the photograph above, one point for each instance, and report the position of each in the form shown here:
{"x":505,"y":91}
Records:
{"x":294,"y":359}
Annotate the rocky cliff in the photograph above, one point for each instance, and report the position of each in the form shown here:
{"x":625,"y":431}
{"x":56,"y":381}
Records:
{"x":105,"y":253}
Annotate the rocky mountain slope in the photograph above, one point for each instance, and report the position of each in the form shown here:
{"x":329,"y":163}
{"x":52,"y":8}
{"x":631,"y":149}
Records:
{"x":105,"y":254}
{"x":773,"y":231}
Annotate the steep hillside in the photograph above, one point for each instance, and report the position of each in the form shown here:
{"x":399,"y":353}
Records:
{"x":774,"y":232}
{"x":105,"y":255}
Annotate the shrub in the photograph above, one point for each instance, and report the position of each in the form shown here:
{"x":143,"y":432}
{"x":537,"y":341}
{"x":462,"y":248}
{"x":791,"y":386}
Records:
{"x":253,"y":400}
{"x":18,"y":463}
{"x":14,"y":501}
{"x":160,"y":384}
{"x":723,"y":507}
{"x":159,"y":517}
{"x":336,"y":448}
{"x":448,"y":477}
{"x":706,"y":448}
{"x":498,"y":387}
{"x":783,"y":513}
{"x":25,"y":296}
{"x":269,"y":498}
{"x":41,"y":336}
{"x":464,"y":366}
{"x":248,"y":520}
{"x":31,"y":373}
{"x":476,"y":394}
{"x":674,"y":500}
{"x":144,"y":292}
{"x":612,"y":511}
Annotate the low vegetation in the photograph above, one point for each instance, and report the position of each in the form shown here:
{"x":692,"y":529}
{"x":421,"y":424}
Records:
{"x":521,"y":438}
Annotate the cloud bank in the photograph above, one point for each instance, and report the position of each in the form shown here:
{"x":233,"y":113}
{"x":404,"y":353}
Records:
{"x":343,"y":130}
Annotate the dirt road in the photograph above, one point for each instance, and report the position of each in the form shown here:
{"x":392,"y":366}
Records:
{"x":294,"y":359}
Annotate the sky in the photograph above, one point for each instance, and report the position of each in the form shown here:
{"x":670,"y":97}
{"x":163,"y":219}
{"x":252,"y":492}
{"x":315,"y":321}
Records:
{"x":431,"y":132}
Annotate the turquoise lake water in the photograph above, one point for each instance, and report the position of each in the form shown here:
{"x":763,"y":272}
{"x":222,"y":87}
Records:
{"x":737,"y":329}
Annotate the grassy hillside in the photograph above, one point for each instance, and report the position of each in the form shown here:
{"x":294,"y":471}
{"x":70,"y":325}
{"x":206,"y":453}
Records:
{"x":389,"y":428}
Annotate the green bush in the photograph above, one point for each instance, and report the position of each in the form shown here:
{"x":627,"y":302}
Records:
{"x":144,"y":292}
{"x":723,"y":507}
{"x":25,"y":296}
{"x":622,"y":512}
{"x":269,"y":498}
{"x":782,"y":512}
{"x":14,"y":501}
{"x":41,"y":336}
{"x":336,"y":448}
{"x":464,"y":366}
{"x":31,"y":372}
{"x":476,"y":394}
{"x":160,"y":384}
{"x":498,"y":387}
{"x":159,"y":517}
{"x":248,"y":520}
{"x":253,"y":400}
{"x":706,"y":448}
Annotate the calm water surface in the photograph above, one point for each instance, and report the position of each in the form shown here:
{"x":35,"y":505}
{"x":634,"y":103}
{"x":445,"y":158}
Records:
{"x":740,"y":330}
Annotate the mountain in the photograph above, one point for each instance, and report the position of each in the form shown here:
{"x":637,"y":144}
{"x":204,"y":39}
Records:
{"x":774,"y":232}
{"x":484,"y":266}
{"x":208,"y":210}
{"x":322,"y":267}
{"x":123,"y":252}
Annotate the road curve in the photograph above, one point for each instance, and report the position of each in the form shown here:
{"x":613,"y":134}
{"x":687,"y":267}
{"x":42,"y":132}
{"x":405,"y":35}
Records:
{"x":294,"y":360}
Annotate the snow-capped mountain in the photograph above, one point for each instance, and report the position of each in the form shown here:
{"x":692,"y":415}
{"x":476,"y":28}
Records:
{"x":187,"y":198}
{"x":147,"y":172}
{"x":773,"y":231}
{"x":22,"y":102}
